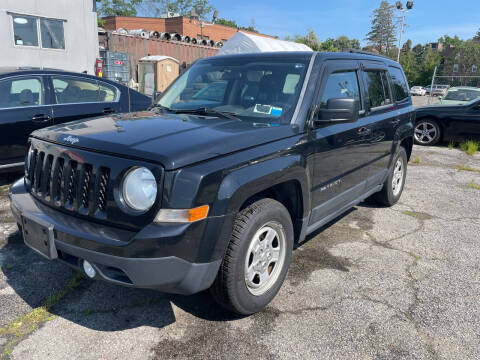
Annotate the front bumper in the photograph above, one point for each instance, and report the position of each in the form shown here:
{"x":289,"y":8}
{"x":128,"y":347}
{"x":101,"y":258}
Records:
{"x":108,"y":248}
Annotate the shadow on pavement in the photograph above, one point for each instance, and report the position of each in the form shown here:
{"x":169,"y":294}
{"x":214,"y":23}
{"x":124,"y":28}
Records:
{"x":94,"y":304}
{"x":105,"y":307}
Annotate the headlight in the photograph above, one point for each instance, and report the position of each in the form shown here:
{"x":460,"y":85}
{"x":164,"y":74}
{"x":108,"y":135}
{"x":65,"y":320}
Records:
{"x":139,"y":189}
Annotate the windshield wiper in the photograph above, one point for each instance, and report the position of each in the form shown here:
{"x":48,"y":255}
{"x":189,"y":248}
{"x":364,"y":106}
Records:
{"x":207,"y":111}
{"x":160,"y":107}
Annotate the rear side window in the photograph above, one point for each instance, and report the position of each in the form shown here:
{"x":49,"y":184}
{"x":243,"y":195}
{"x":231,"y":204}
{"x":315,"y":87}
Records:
{"x":341,"y":84}
{"x":378,"y":90}
{"x":73,"y":90}
{"x":400,"y":86}
{"x":107,"y":93}
{"x":24,"y":91}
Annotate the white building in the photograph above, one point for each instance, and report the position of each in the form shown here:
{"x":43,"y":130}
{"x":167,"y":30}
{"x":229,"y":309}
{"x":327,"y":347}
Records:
{"x":58,"y":34}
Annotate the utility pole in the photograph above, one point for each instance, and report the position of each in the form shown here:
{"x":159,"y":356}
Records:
{"x":400,"y":8}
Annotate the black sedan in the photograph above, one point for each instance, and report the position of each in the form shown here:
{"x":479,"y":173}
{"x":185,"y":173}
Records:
{"x":31,"y":99}
{"x":447,"y":123}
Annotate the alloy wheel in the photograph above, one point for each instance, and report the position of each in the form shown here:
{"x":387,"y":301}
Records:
{"x":265,"y":258}
{"x":425,"y":132}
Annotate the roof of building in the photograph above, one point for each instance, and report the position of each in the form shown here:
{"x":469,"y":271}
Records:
{"x":244,"y":43}
{"x":155,"y":58}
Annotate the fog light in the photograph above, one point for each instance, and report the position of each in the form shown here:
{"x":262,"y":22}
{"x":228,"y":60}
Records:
{"x":89,"y":270}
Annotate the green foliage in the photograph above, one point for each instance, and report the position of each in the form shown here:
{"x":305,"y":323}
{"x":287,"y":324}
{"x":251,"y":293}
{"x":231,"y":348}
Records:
{"x":330,"y":44}
{"x":382,"y":33}
{"x":156,"y":8}
{"x":470,"y":146}
{"x":477,"y":36}
{"x":118,"y":7}
{"x":225,"y":22}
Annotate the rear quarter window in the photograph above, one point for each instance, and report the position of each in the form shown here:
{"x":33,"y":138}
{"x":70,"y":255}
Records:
{"x":399,"y":83}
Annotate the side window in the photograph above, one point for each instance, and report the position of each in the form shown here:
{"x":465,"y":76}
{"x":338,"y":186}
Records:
{"x":377,"y":85}
{"x":25,"y":91}
{"x":400,"y":87}
{"x":341,"y":84}
{"x":73,"y":90}
{"x":107,"y":93}
{"x":52,"y":34}
{"x":25,"y":30}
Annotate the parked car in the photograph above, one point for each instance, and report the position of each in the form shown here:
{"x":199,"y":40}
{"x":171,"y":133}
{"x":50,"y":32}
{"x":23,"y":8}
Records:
{"x":460,"y":95}
{"x":440,"y":90}
{"x":31,"y":99}
{"x":418,"y":91}
{"x":213,"y":192}
{"x":447,"y":122}
{"x":428,"y":89}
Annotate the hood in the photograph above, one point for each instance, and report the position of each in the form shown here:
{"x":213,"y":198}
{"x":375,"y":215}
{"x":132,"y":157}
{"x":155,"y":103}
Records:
{"x":173,"y":140}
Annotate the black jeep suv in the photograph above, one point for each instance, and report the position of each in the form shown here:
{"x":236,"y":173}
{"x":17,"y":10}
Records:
{"x":242,"y":158}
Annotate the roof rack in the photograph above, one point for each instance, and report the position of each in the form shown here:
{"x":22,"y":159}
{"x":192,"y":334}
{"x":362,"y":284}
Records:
{"x":356,"y":51}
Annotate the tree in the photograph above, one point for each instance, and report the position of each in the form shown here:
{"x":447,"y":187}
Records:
{"x":343,"y":42}
{"x":382,"y":33}
{"x":225,"y":22}
{"x":329,"y":45}
{"x":156,"y":8}
{"x":311,"y":40}
{"x":118,"y":8}
{"x":477,"y":36}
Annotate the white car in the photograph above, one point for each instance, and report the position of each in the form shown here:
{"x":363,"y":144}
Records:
{"x":418,"y":91}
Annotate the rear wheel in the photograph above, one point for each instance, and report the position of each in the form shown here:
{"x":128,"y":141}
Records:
{"x":257,"y":258}
{"x":393,"y":186}
{"x":427,"y":132}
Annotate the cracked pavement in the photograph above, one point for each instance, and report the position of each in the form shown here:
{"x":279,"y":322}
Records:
{"x":376,"y":283}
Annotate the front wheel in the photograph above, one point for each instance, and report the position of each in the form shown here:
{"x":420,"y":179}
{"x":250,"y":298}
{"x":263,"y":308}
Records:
{"x":257,"y":258}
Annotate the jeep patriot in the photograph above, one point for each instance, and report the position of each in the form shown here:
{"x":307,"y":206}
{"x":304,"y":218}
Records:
{"x":242,"y":157}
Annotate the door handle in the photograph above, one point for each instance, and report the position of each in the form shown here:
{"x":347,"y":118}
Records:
{"x":395,"y":122}
{"x":364,"y":131}
{"x":108,"y":110}
{"x":41,"y":118}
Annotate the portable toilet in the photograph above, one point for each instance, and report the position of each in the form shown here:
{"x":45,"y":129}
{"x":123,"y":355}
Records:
{"x":156,"y":73}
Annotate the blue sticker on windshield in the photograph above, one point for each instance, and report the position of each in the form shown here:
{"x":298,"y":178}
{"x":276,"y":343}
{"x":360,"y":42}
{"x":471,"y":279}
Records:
{"x":276,"y":111}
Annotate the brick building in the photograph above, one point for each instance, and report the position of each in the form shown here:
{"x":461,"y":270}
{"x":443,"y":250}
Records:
{"x":180,"y":25}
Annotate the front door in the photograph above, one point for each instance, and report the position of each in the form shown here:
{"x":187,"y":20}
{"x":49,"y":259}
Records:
{"x":23,"y":109}
{"x":342,"y":150}
{"x":465,"y":123}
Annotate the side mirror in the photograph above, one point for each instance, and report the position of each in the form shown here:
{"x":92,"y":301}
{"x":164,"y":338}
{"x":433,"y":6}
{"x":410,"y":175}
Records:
{"x":156,"y":96}
{"x":339,"y":110}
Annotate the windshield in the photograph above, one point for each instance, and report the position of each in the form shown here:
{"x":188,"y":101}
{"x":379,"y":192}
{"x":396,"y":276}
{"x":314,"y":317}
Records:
{"x":253,"y":89}
{"x":462,"y":94}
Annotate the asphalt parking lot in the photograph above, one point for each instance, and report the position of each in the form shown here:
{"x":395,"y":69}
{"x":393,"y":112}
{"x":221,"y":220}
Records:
{"x":377,"y":283}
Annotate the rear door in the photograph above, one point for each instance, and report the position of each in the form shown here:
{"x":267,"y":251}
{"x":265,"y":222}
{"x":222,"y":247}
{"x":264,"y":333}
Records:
{"x":383,"y":116}
{"x":79,"y":98}
{"x":23,"y":108}
{"x":342,"y":150}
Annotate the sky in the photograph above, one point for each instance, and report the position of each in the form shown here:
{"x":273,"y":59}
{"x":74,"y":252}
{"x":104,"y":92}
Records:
{"x":429,"y":19}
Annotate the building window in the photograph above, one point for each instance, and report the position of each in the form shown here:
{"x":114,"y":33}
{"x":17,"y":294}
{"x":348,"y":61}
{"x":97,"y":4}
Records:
{"x":52,"y":34}
{"x":34,"y":31}
{"x":25,"y":30}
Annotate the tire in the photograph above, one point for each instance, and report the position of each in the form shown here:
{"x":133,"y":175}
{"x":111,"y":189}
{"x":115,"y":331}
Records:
{"x":393,"y":186}
{"x":234,"y":287}
{"x":427,"y":132}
